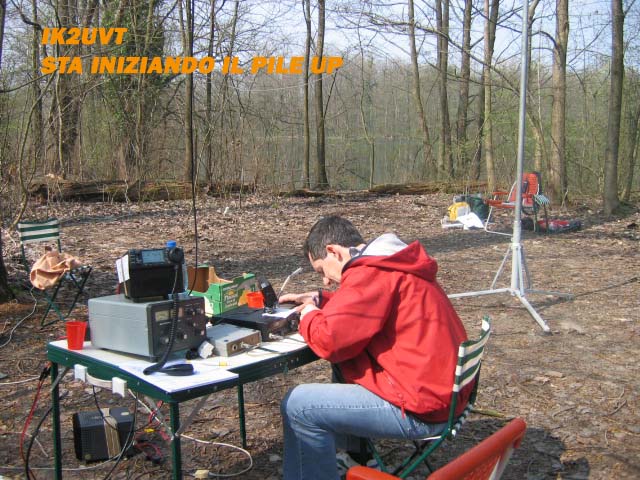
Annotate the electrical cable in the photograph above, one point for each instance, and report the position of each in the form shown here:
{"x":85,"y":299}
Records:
{"x":27,"y":470}
{"x":157,"y":367}
{"x":35,"y":304}
{"x":19,"y":381}
{"x":221,"y":444}
{"x":25,"y":458}
{"x":27,"y":422}
{"x":130,"y":438}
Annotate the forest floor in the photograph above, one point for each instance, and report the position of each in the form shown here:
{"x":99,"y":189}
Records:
{"x":577,"y":388}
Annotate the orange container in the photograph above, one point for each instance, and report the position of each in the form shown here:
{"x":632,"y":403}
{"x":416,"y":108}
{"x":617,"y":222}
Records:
{"x":75,"y":334}
{"x":255,"y":300}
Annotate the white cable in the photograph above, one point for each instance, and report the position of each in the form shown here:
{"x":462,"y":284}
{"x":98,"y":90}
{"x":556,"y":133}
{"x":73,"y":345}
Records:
{"x":220,"y":444}
{"x":93,"y":467}
{"x":206,"y":442}
{"x":35,"y":304}
{"x":20,"y":381}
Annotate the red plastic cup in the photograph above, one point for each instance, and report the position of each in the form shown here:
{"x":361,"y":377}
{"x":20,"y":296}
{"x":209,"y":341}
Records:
{"x":255,"y":300}
{"x":75,"y":334}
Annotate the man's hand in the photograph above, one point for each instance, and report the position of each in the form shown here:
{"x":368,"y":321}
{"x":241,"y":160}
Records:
{"x":300,"y":298}
{"x":307,"y":301}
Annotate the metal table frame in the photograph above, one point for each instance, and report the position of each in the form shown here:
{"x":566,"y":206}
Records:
{"x":261,"y":368}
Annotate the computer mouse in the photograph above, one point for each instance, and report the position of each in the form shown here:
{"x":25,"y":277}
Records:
{"x":178,"y":369}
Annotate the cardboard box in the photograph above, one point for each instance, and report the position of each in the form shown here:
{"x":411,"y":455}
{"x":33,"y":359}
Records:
{"x":219,"y":294}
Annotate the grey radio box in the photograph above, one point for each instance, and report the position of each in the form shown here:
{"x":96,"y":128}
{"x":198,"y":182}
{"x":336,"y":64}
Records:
{"x":228,"y":339}
{"x":143,"y":328}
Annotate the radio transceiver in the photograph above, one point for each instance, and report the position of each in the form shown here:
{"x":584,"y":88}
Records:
{"x":117,"y":323}
{"x":152,"y":274}
{"x":270,"y":326}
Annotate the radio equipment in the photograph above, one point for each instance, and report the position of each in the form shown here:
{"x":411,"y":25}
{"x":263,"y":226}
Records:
{"x":152,"y":273}
{"x":120,"y":324}
{"x":270,"y":326}
{"x":228,"y":339}
{"x":101,"y":435}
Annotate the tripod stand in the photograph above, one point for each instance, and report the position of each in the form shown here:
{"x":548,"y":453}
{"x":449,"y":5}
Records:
{"x":519,"y":270}
{"x":519,"y":278}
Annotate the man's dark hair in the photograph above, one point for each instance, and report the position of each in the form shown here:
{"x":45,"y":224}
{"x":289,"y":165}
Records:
{"x":331,"y":230}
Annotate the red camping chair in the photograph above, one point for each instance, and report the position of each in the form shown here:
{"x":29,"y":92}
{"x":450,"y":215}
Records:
{"x":532,"y":200}
{"x":485,"y":461}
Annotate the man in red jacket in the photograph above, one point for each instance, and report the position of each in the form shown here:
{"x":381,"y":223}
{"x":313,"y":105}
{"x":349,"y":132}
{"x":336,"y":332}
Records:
{"x":393,"y":335}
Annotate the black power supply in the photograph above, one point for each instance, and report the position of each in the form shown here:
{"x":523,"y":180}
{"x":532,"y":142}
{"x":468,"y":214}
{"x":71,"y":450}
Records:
{"x":100,"y":436}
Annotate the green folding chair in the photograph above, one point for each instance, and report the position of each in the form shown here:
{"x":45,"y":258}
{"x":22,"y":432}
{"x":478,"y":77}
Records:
{"x":467,"y":370}
{"x":48,"y":231}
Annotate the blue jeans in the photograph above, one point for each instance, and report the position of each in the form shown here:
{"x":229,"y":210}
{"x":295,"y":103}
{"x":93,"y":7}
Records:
{"x":318,"y":416}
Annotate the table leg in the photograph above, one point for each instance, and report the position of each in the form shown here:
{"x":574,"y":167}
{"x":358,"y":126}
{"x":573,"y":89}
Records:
{"x":243,"y":430}
{"x":55,"y":421}
{"x":176,"y":453}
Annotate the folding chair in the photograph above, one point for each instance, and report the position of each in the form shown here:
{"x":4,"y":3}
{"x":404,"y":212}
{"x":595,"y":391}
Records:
{"x":532,"y":200}
{"x":467,"y":370}
{"x":485,"y":461}
{"x":48,"y":230}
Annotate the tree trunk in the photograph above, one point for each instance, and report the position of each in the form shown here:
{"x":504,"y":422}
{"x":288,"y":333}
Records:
{"x":540,"y":155}
{"x":491,"y":15}
{"x":557,"y":178}
{"x":476,"y":162}
{"x":321,"y":181}
{"x":463,"y":94}
{"x":610,"y":193}
{"x":5,"y":291}
{"x":37,"y":132}
{"x":444,"y":148}
{"x":364,"y":89}
{"x":426,"y":140}
{"x":633,"y":139}
{"x":66,"y":106}
{"x":3,"y":11}
{"x":209,"y":98}
{"x":188,"y":94}
{"x":306,"y":183}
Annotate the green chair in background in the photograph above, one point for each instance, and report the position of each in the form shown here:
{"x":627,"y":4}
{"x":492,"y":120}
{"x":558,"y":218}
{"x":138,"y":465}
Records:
{"x":43,"y":232}
{"x":467,"y":370}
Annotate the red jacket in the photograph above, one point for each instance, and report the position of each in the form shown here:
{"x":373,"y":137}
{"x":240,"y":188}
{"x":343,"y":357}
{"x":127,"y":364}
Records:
{"x":391,"y":328}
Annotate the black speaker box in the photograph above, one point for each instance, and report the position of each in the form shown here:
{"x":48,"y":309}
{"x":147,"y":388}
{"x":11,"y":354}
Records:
{"x":96,"y":439}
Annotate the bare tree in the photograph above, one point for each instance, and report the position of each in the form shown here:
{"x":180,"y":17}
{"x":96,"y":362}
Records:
{"x":631,"y":143}
{"x":463,"y":93}
{"x":37,"y":140}
{"x":491,"y":20}
{"x":321,"y":169}
{"x":306,"y":128}
{"x":5,"y":291}
{"x":64,"y":116}
{"x":365,"y":93}
{"x":188,"y":94}
{"x":610,"y":192}
{"x":426,"y":140}
{"x":209,"y":96}
{"x":444,"y":147}
{"x":540,"y":155}
{"x":557,"y":176}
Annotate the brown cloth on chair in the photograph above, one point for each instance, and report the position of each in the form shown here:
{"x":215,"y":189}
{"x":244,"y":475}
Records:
{"x":50,"y":267}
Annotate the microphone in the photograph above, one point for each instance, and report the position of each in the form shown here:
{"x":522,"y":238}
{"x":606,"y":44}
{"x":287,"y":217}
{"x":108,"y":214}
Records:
{"x":286,"y":280}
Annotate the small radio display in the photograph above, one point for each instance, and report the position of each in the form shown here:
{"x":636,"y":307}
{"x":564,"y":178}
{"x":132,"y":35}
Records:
{"x":152,"y":256}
